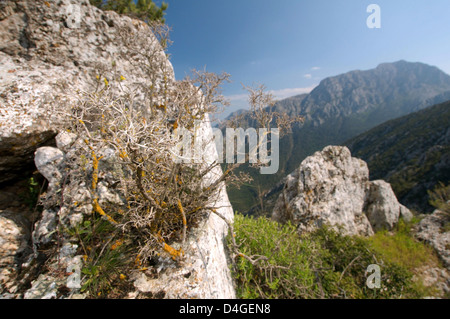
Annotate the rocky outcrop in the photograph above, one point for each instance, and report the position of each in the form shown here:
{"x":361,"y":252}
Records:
{"x":48,"y":50}
{"x":14,"y":238}
{"x":433,"y":229}
{"x":47,"y":47}
{"x":332,"y":187}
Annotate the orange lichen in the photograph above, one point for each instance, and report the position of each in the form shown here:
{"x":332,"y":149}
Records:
{"x":174,"y":253}
{"x":99,"y":210}
{"x":180,"y":207}
{"x":117,"y":244}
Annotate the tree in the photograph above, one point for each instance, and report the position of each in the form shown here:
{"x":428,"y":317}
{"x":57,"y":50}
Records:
{"x":145,"y":10}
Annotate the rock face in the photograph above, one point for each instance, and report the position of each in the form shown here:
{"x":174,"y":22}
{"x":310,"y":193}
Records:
{"x":49,"y":49}
{"x":433,"y":229}
{"x":331,"y":187}
{"x":13,"y":242}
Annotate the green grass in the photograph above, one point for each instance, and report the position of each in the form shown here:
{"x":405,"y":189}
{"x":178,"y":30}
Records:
{"x":400,"y":247}
{"x":285,"y":273}
{"x":327,"y":264}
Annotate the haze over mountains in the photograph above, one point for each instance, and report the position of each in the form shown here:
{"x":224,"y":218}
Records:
{"x":344,"y":106}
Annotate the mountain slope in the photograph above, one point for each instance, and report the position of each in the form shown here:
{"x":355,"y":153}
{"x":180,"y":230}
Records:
{"x":412,"y":153}
{"x":344,"y":106}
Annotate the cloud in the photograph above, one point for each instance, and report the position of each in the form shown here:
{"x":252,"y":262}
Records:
{"x":285,"y":93}
{"x":315,"y":68}
{"x":242,"y":99}
{"x":237,"y":97}
{"x":307,"y":76}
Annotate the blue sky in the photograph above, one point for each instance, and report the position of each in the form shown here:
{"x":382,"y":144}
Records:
{"x":291,"y":45}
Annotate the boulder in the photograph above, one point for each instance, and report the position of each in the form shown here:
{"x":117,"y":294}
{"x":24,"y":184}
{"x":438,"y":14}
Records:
{"x":433,"y":229}
{"x":382,"y":208}
{"x":332,"y":187}
{"x":13,"y":245}
{"x":49,"y":50}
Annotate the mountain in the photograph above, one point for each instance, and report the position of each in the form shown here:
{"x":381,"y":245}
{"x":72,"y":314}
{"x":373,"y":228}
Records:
{"x":412,"y":153}
{"x":344,"y":106}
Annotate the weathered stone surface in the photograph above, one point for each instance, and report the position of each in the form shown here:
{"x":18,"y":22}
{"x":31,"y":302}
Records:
{"x":331,"y":187}
{"x":49,"y":161}
{"x":382,"y":207}
{"x":432,"y":230}
{"x":205,"y":272}
{"x":48,"y":50}
{"x":13,"y":243}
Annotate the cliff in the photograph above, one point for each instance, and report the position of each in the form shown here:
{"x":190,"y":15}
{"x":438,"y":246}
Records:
{"x":51,"y":53}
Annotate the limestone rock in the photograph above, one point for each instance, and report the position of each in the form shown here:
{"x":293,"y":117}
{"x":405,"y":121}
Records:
{"x":382,"y":207}
{"x":329,"y":187}
{"x":205,"y":272}
{"x":48,"y":49}
{"x":432,"y":230}
{"x":13,"y":243}
{"x":332,"y":187}
{"x":48,"y":161}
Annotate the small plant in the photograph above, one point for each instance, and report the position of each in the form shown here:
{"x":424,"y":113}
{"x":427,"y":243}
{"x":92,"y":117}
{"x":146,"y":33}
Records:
{"x":279,"y":267}
{"x":439,"y":197}
{"x":31,"y":195}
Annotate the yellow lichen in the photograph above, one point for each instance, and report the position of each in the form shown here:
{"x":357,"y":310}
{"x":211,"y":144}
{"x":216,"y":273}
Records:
{"x":99,"y":210}
{"x":174,"y":253}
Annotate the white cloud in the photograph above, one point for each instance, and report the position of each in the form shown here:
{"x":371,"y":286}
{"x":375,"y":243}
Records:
{"x":307,"y":76}
{"x":242,"y":99}
{"x":285,"y":93}
{"x":315,"y":68}
{"x":237,"y":97}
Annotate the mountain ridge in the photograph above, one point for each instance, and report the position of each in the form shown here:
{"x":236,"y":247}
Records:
{"x":344,"y":106}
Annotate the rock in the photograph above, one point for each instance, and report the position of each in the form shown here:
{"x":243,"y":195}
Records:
{"x":434,"y":277}
{"x":205,"y":272}
{"x":44,"y":287}
{"x":45,"y":227}
{"x":433,"y":229}
{"x":65,"y":140}
{"x":49,"y":162}
{"x":13,"y":244}
{"x":48,"y":49}
{"x":328,"y":188}
{"x":382,"y":207}
{"x":331,"y":187}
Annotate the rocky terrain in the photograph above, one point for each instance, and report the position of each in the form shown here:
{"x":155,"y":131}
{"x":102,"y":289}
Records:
{"x":332,"y":187}
{"x":411,"y":153}
{"x":344,"y":106}
{"x":49,"y":51}
{"x":52,"y":50}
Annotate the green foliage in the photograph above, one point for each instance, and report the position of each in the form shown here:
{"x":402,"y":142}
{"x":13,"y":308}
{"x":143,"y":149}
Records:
{"x":440,"y":197}
{"x":146,"y":10}
{"x":325,"y":263}
{"x":345,"y":260}
{"x":31,"y":195}
{"x":400,"y":247}
{"x":107,"y":255}
{"x":285,"y":273}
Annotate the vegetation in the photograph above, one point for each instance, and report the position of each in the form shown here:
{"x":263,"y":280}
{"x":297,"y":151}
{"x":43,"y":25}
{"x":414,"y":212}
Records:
{"x":131,"y":146}
{"x":325,"y":263}
{"x":281,"y":265}
{"x":440,"y":197}
{"x":410,"y":153}
{"x":145,"y":10}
